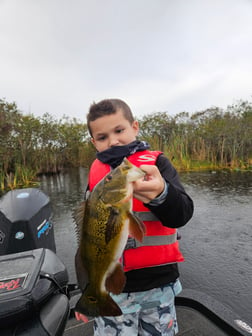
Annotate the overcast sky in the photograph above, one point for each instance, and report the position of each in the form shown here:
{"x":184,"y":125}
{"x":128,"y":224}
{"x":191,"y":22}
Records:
{"x":58,"y":56}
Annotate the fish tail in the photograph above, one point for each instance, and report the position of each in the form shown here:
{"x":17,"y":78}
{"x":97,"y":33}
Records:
{"x":99,"y":305}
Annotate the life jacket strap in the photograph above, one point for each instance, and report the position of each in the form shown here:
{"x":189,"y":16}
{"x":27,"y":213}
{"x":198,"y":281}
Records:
{"x":151,"y":241}
{"x":147,"y":216}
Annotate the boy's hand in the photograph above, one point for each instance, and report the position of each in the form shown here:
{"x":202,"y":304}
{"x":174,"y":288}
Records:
{"x":150,"y":186}
{"x":81,"y":317}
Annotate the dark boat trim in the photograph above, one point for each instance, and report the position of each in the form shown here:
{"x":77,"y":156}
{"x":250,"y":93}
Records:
{"x":217,"y":313}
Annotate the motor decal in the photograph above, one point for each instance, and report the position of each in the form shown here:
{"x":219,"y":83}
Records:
{"x":12,"y":283}
{"x":44,"y":228}
{"x":23,"y":195}
{"x":19,"y":235}
{"x":2,"y":236}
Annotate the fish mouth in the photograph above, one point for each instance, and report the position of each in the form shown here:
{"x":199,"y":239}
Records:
{"x":135,"y":174}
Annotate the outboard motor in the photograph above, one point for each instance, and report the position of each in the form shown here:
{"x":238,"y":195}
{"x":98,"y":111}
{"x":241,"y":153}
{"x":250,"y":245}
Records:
{"x":33,"y":281}
{"x":25,"y":221}
{"x":33,"y":298}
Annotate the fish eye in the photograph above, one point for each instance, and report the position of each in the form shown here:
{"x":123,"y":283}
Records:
{"x":108,"y":178}
{"x":127,"y":168}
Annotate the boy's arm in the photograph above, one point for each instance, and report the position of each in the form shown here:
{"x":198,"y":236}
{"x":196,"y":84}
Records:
{"x":177,"y":207}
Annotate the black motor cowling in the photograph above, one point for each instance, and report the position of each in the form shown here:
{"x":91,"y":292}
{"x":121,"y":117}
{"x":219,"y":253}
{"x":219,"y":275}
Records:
{"x":25,"y":221}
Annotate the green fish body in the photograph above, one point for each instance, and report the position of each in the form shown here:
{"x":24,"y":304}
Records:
{"x":105,"y":222}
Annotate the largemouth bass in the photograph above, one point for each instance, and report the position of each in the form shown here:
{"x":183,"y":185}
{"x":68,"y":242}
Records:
{"x":105,"y":221}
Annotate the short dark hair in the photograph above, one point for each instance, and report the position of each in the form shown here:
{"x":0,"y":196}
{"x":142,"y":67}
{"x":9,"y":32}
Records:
{"x":107,"y":107}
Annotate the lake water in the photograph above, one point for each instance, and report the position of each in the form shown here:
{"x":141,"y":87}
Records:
{"x":216,"y":243}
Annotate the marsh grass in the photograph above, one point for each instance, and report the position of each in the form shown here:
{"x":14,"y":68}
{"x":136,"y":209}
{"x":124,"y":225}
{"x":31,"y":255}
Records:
{"x":22,"y":177}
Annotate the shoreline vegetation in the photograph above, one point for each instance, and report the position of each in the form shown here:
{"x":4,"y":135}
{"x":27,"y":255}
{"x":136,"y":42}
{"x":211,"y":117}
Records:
{"x":212,"y":139}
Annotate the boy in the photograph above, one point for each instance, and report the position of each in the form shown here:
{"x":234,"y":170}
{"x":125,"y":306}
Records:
{"x":147,"y":301}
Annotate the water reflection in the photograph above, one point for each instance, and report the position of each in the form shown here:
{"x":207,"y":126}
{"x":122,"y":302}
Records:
{"x":65,"y":189}
{"x":221,"y":181}
{"x":66,"y":192}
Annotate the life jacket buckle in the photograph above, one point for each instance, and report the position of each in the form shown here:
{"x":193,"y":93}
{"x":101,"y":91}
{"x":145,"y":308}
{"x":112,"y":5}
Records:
{"x":131,"y":243}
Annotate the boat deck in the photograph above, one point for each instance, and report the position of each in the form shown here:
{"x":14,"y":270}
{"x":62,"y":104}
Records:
{"x":190,"y":324}
{"x":197,"y":314}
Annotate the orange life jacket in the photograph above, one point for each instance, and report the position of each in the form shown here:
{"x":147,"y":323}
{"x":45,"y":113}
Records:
{"x":160,"y":245}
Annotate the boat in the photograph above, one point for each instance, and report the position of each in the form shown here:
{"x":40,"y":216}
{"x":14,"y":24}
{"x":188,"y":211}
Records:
{"x":36,"y":297}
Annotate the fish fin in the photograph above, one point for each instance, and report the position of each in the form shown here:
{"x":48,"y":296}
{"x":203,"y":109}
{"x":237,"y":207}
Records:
{"x":136,"y":228}
{"x":110,"y":308}
{"x":81,"y":273}
{"x":94,"y":305}
{"x":112,"y":226}
{"x":115,"y":282}
{"x":78,"y":216}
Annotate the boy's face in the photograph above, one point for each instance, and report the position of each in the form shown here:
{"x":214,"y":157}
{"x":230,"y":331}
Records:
{"x":113,"y":130}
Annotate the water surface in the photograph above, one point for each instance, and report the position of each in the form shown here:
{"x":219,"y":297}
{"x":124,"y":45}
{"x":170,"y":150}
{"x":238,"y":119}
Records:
{"x":216,"y":242}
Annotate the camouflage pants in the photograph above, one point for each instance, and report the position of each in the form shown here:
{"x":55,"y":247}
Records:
{"x":148,"y":313}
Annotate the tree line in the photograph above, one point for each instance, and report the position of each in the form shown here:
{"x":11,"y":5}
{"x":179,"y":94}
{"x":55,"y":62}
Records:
{"x":212,"y":138}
